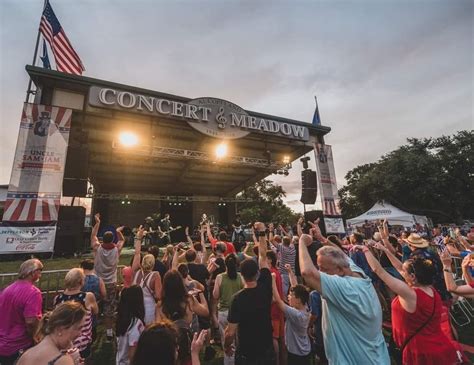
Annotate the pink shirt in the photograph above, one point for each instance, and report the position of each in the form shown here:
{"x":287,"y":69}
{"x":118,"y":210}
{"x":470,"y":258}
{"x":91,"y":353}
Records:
{"x":18,"y":301}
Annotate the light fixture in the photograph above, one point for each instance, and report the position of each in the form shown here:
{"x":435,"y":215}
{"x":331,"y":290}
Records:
{"x":221,"y":150}
{"x":286,"y":159}
{"x":128,"y":202}
{"x":128,"y":139}
{"x":123,"y":201}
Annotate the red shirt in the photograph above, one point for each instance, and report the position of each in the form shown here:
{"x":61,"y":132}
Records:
{"x":276,"y":313}
{"x":229,"y":246}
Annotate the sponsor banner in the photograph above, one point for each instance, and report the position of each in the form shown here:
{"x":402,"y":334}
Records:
{"x":334,"y":225}
{"x":38,"y":167}
{"x":327,"y":179}
{"x":27,"y":239}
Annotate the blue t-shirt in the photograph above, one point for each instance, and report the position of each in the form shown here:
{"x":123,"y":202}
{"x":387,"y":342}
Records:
{"x":296,"y":331}
{"x":352,"y":320}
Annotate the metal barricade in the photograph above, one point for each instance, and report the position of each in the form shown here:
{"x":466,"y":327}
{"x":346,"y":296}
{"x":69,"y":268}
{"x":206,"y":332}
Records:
{"x":50,"y":284}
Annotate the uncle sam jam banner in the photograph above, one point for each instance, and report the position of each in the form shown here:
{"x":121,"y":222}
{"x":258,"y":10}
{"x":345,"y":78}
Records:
{"x":36,"y":181}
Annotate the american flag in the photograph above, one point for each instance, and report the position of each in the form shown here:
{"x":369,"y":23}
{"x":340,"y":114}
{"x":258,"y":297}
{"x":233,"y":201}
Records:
{"x":66,"y":58}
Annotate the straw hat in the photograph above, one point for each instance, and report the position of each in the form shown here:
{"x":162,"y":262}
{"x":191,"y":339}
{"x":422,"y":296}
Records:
{"x":416,"y":241}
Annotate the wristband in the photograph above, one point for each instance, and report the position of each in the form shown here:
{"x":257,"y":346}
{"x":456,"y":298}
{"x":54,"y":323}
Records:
{"x":447,"y":270}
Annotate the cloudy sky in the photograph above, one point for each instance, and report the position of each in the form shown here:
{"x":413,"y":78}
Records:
{"x":383,"y":70}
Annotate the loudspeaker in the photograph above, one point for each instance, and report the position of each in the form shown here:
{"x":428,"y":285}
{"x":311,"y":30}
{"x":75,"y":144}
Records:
{"x":69,"y":231}
{"x":309,"y":187}
{"x":77,"y":163}
{"x":74,"y":187}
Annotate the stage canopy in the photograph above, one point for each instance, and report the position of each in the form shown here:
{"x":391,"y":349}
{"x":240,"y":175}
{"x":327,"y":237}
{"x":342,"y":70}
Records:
{"x":394,"y":216}
{"x":177,"y":138}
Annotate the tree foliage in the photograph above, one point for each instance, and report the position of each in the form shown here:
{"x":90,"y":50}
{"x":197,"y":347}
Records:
{"x":266,"y":205}
{"x":429,"y":176}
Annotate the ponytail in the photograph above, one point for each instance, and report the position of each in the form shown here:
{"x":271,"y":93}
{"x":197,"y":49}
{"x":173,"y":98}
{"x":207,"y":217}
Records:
{"x":231,"y":266}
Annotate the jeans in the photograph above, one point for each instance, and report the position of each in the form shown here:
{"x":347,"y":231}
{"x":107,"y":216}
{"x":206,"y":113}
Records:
{"x":222,"y":318}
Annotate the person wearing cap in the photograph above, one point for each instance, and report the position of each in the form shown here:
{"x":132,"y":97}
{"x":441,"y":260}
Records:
{"x":106,"y":259}
{"x":21,"y":309}
{"x":420,"y":248}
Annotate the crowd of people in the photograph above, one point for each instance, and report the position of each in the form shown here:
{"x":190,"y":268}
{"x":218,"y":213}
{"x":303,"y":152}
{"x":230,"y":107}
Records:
{"x":288,"y":296}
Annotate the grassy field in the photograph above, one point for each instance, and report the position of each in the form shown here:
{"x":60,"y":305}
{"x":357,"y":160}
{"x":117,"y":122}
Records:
{"x":103,"y":352}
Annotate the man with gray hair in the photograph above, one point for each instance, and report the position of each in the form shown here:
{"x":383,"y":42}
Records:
{"x":21,"y":309}
{"x":351,"y":311}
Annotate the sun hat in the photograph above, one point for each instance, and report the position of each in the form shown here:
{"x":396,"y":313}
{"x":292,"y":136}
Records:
{"x":417,"y":241}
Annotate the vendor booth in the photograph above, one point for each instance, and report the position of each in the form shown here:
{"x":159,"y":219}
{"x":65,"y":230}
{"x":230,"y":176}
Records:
{"x":394,"y":216}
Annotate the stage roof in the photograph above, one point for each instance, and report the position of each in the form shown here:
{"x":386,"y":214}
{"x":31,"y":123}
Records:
{"x":172,"y":157}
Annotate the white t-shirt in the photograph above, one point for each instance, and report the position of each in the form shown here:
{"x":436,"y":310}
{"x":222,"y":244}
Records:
{"x":129,"y":339}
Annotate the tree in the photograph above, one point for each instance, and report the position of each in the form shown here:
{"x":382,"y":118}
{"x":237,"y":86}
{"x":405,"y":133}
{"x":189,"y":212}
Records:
{"x":266,"y":204}
{"x":429,"y":176}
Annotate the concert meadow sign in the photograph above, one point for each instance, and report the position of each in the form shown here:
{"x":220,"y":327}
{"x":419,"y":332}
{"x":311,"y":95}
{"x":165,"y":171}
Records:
{"x":211,"y":116}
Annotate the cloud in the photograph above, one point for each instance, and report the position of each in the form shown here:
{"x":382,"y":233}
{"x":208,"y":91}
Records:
{"x":382,"y":71}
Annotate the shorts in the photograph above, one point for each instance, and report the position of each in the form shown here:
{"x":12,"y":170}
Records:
{"x":110,"y":301}
{"x":278,"y":328}
{"x":299,"y":359}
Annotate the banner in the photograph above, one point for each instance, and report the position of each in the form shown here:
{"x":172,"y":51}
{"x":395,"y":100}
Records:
{"x":34,"y":192}
{"x":327,"y":179}
{"x":334,"y":225}
{"x":38,"y":167}
{"x":27,"y":239}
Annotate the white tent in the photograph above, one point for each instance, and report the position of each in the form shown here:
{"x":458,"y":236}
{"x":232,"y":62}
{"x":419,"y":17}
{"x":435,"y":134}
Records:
{"x":394,"y":216}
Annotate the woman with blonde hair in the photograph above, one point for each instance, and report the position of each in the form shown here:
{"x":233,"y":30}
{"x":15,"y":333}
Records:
{"x":146,"y":278}
{"x":73,"y":283}
{"x":58,"y":330}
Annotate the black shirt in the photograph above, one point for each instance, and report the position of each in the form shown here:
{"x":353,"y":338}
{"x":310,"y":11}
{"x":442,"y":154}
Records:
{"x":250,"y":309}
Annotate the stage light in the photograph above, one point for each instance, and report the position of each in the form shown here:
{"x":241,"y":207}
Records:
{"x":123,"y":201}
{"x":221,"y":150}
{"x":286,"y":159}
{"x":128,"y":202}
{"x":128,"y":139}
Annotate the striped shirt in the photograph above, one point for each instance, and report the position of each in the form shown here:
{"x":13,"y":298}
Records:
{"x":286,"y":255}
{"x":85,"y":338}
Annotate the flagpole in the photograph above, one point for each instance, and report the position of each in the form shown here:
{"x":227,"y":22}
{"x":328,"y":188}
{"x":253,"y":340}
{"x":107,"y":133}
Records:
{"x":29,"y":91}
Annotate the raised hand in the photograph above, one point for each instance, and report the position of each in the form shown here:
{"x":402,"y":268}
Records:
{"x":140,"y":232}
{"x":446,"y":258}
{"x":466,"y":262}
{"x":259,"y":226}
{"x":288,"y":268}
{"x":186,"y":231}
{"x":379,"y":246}
{"x":198,"y":341}
{"x":300,"y":221}
{"x":97,"y":217}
